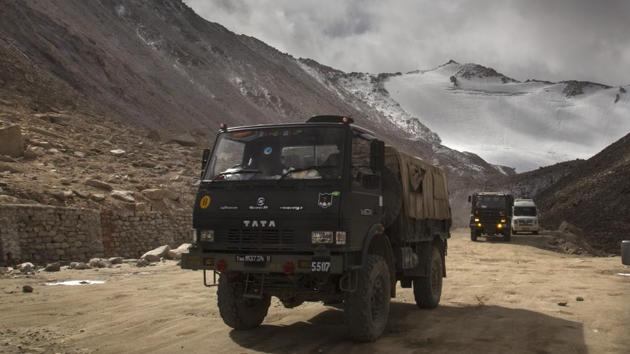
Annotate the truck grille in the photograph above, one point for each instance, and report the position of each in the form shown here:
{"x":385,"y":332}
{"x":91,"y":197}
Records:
{"x":252,"y":239}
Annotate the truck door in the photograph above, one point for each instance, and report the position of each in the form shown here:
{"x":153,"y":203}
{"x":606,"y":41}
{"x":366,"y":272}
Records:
{"x":365,"y":208}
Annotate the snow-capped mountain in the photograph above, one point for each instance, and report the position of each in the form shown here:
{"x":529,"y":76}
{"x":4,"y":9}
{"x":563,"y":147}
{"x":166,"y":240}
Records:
{"x":508,"y":122}
{"x":364,"y":89}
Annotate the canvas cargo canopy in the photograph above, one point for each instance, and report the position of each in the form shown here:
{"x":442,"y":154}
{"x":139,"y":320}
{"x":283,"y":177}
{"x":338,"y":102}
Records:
{"x":425,"y":192}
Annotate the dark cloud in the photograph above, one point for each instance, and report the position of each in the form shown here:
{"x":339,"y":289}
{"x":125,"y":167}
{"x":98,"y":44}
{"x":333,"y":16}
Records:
{"x":554,"y":40}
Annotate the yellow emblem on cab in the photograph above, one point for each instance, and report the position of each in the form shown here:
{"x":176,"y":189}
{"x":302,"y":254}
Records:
{"x":205,"y":202}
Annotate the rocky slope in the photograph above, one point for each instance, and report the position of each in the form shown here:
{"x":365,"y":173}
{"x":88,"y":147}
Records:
{"x":83,"y":79}
{"x":594,"y":197}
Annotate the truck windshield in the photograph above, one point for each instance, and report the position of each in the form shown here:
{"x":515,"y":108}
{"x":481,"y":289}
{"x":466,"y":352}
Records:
{"x":491,"y":202}
{"x":524,"y":211}
{"x":278,"y":153}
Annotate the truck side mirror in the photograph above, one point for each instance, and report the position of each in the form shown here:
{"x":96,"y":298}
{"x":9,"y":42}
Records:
{"x":469,"y":199}
{"x":377,"y":155}
{"x":204,"y":159}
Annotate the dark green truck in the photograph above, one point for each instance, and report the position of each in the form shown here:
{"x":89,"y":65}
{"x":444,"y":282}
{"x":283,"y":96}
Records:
{"x":318,"y":211}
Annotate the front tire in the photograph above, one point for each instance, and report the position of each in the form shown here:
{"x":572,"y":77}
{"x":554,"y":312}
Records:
{"x":507,"y":235}
{"x":473,"y":235}
{"x":367,"y":308}
{"x":238,"y":312}
{"x":428,"y":290}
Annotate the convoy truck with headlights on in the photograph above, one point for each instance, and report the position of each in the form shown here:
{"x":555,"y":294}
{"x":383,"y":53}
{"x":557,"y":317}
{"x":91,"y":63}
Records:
{"x":318,"y":211}
{"x":490,"y":214}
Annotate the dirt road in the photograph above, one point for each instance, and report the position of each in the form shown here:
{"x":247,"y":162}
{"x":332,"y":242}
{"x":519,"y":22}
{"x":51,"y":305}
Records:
{"x":498,"y":298}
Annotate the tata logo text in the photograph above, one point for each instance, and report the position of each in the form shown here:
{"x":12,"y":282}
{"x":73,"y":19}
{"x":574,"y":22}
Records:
{"x":259,"y":223}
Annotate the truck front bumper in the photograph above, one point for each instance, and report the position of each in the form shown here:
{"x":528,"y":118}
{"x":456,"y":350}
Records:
{"x":197,"y":259}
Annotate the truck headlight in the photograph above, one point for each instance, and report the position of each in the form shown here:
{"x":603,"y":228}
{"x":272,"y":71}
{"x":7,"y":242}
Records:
{"x":321,"y":237}
{"x":476,"y":219}
{"x":340,"y":237}
{"x":206,"y":235}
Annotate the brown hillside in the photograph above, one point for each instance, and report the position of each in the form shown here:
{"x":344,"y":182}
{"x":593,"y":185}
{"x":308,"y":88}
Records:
{"x":594,"y":197}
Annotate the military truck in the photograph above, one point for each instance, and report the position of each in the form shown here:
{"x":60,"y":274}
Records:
{"x":318,"y":211}
{"x":490,"y":214}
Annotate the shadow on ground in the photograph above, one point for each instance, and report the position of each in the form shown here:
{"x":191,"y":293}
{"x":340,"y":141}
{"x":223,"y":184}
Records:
{"x":473,"y":329}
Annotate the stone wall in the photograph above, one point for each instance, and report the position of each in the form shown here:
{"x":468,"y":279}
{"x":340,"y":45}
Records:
{"x":41,"y":233}
{"x":131,"y":235}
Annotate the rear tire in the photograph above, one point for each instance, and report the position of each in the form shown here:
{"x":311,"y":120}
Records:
{"x":238,"y":312}
{"x":367,"y":308}
{"x":428,"y":290}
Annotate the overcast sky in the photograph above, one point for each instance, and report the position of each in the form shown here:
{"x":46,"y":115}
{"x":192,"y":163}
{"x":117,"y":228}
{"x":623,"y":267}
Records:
{"x":544,"y":39}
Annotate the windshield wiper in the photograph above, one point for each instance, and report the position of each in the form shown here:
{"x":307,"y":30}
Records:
{"x":301,"y":169}
{"x":236,"y":172}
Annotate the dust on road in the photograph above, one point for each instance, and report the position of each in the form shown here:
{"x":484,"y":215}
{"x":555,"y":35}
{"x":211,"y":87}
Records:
{"x":498,"y":298}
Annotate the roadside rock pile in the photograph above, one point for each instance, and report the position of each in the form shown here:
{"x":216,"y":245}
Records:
{"x":570,"y":239}
{"x":165,"y":252}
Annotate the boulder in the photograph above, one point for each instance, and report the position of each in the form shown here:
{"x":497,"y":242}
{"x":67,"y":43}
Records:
{"x":155,"y":254}
{"x":160,"y":194}
{"x":154,"y":193}
{"x":99,"y":263}
{"x":142,"y":207}
{"x":11,"y":142}
{"x":177,"y":253}
{"x":184,"y":140}
{"x":61,"y":194}
{"x":26,"y":267}
{"x":117,"y":152}
{"x":27,"y":289}
{"x":79,"y":265}
{"x":9,"y":167}
{"x":53,"y":267}
{"x":32,"y":152}
{"x":99,"y":184}
{"x":115,"y":260}
{"x":7,"y":199}
{"x":97,"y":197}
{"x":126,"y":196}
{"x":142,"y":263}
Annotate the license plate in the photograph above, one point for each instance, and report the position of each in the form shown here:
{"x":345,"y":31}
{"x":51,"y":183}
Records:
{"x":250,"y":258}
{"x":320,"y":266}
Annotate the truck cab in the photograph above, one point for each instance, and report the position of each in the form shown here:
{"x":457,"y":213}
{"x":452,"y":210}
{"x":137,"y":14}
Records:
{"x":490,"y":214}
{"x":317,"y":211}
{"x":525,"y":217}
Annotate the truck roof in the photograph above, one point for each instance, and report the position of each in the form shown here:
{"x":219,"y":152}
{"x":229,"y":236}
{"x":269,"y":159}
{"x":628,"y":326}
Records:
{"x":301,"y":124}
{"x":491,"y":193}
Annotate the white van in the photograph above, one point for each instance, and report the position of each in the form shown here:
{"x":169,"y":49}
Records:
{"x":524,"y":216}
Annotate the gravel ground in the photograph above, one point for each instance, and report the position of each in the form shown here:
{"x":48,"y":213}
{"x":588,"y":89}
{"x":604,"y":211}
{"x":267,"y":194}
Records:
{"x":498,"y":297}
